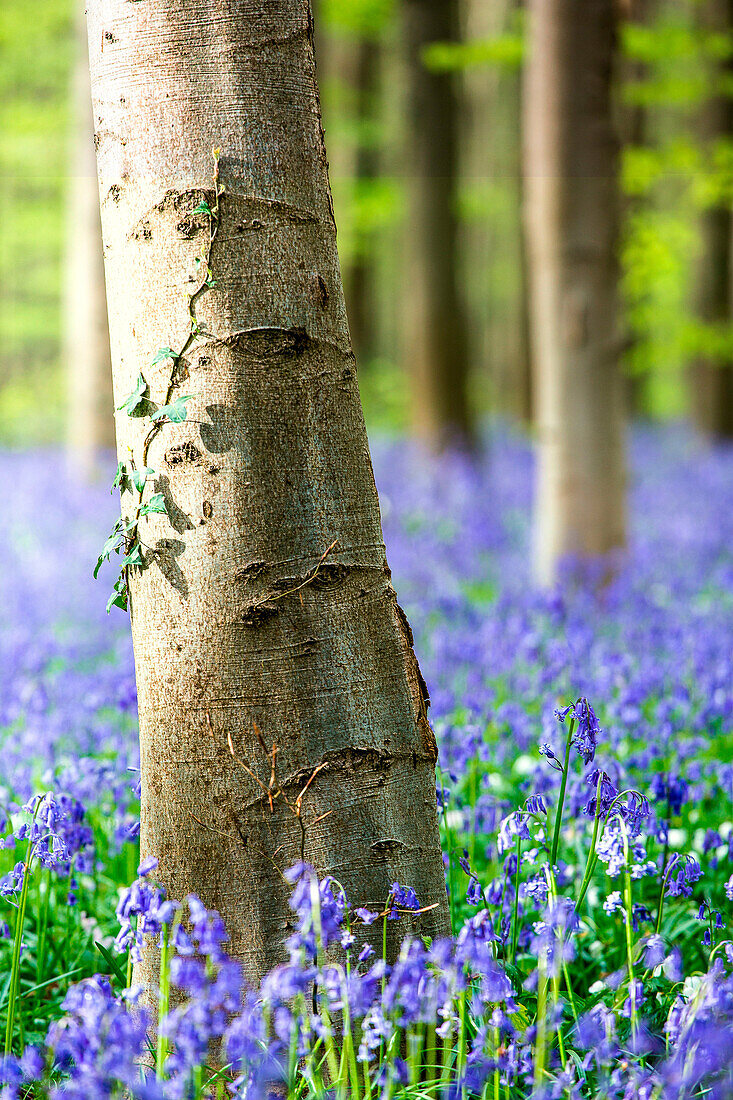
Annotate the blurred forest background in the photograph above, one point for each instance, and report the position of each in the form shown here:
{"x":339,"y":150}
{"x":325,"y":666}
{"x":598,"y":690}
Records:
{"x":415,"y":90}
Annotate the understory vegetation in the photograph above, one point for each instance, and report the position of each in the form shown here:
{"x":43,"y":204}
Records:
{"x":585,"y":787}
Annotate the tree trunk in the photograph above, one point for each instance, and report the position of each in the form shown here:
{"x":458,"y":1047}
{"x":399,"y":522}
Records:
{"x":264,"y":622}
{"x":712,"y":380}
{"x":435,"y":331}
{"x":359,"y":279}
{"x":571,"y":197}
{"x":90,"y":413}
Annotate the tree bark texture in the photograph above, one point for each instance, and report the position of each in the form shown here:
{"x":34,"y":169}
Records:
{"x":435,"y":343}
{"x":90,"y":411}
{"x":264,"y":620}
{"x":571,"y":209}
{"x":712,"y":381}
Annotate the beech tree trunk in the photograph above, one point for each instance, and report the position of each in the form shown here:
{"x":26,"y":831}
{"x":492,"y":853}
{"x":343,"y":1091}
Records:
{"x":571,"y":207}
{"x":90,"y":411}
{"x":435,"y":344}
{"x":360,"y":296}
{"x":712,"y":381}
{"x":264,"y":621}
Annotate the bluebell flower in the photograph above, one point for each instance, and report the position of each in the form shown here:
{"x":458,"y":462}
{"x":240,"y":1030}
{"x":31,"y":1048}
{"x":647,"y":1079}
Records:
{"x":512,"y":827}
{"x":587,"y":730}
{"x":547,"y":751}
{"x":608,"y":793}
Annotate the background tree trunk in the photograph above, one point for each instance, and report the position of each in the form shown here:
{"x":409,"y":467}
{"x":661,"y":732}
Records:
{"x":712,"y":381}
{"x":265,"y":603}
{"x":359,"y":279}
{"x":90,"y":412}
{"x":571,"y":199}
{"x":435,"y":347}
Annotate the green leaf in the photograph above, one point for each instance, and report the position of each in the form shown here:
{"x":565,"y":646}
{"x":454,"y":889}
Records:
{"x":163,"y":353}
{"x":112,"y":963}
{"x":122,"y":480}
{"x":202,"y":208}
{"x":156,"y":505}
{"x":113,"y":543}
{"x":176,"y":411}
{"x":139,"y":477}
{"x":121,"y":977}
{"x":118,"y":597}
{"x":134,"y":400}
{"x":133,"y":557}
{"x":503,"y":51}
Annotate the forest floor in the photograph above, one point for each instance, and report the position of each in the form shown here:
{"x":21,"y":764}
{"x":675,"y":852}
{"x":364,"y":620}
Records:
{"x":636,"y":898}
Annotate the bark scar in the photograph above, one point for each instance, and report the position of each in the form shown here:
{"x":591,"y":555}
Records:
{"x":416,"y":683}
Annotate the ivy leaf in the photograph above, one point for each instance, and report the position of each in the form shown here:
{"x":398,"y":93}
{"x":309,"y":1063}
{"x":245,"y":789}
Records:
{"x":176,"y":411}
{"x":202,"y":208}
{"x":163,"y":353}
{"x":133,"y":558}
{"x":155,"y":506}
{"x":139,"y":477}
{"x":118,"y":596}
{"x":122,"y":480}
{"x":112,"y":544}
{"x":133,"y":401}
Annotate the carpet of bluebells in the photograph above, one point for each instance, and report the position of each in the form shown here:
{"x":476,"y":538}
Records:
{"x":585,"y":794}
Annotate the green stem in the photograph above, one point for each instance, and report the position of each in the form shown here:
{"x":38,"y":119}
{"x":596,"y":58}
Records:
{"x":660,"y":907}
{"x":18,"y":941}
{"x":540,"y":1055}
{"x":41,"y":952}
{"x":515,"y":914}
{"x":164,"y":991}
{"x":591,"y":861}
{"x":348,"y":1048}
{"x":561,"y":798}
{"x":628,"y":906}
{"x":462,"y":1041}
{"x":591,"y":865}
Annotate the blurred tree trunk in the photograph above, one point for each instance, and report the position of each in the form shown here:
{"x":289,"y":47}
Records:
{"x":360,"y":275}
{"x":90,"y":411}
{"x":435,"y":345}
{"x":633,"y":126}
{"x":571,"y":196}
{"x":712,"y":381}
{"x":264,"y":621}
{"x":523,"y":370}
{"x":492,"y":246}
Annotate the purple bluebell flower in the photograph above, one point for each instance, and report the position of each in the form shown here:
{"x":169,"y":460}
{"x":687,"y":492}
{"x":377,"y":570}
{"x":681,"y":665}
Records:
{"x":513,"y":827}
{"x":608,"y":793}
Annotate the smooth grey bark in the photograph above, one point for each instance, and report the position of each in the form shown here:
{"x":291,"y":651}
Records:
{"x":264,"y":621}
{"x":711,"y":382}
{"x":435,"y":344}
{"x":571,"y":209}
{"x":90,"y":429}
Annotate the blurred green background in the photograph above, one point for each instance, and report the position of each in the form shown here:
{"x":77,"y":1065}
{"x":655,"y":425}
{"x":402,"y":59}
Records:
{"x":669,"y":67}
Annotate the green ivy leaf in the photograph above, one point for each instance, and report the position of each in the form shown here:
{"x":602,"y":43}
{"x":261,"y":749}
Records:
{"x":112,"y":544}
{"x":134,"y":400}
{"x":122,"y":479}
{"x":176,"y":411}
{"x":202,"y":208}
{"x":162,"y":354}
{"x":139,"y":477}
{"x":133,"y":558}
{"x":118,"y":596}
{"x":155,"y":506}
